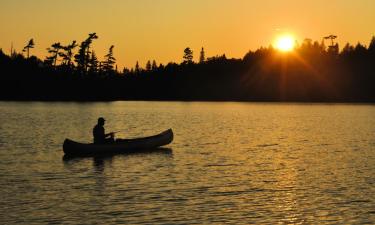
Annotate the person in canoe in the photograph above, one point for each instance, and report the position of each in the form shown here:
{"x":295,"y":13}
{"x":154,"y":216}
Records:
{"x":100,"y":137}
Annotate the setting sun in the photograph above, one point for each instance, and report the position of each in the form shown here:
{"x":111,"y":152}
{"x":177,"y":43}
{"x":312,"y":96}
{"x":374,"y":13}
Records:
{"x":285,"y":43}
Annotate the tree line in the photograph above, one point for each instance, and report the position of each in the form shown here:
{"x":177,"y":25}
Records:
{"x":312,"y":72}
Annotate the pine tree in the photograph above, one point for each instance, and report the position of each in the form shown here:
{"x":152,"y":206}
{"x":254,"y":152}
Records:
{"x":125,"y":71}
{"x":202,"y":56}
{"x":54,"y":51}
{"x":109,"y":61}
{"x":83,"y":55}
{"x":67,"y":53}
{"x":93,"y":63}
{"x":148,"y":65}
{"x":188,"y":56}
{"x":31,"y":44}
{"x":154,"y":66}
{"x":371,"y":47}
{"x":137,"y":69}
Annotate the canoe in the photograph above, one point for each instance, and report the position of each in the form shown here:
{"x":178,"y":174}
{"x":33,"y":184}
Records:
{"x":126,"y":145}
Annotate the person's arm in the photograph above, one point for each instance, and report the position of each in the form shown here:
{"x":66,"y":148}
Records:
{"x":109,"y":134}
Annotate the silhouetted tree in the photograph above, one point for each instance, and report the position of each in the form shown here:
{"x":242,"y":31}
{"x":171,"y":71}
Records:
{"x":31,"y":44}
{"x":371,"y":47}
{"x":137,"y":69}
{"x":333,"y":48}
{"x":54,"y":51}
{"x":83,"y":55}
{"x":154,"y":66}
{"x":307,"y":44}
{"x":67,"y":53}
{"x":100,"y":68}
{"x":93,"y":63}
{"x":109,"y":61}
{"x":148,"y":65}
{"x":217,"y":58}
{"x":80,"y":57}
{"x":202,"y":57}
{"x":188,"y":56}
{"x":360,"y":49}
{"x":125,"y":71}
{"x":347,"y":49}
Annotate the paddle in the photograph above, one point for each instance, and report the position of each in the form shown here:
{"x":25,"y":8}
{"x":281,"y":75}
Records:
{"x":118,"y":131}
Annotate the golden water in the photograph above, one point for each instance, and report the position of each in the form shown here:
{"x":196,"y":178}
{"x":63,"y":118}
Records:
{"x":236,"y":163}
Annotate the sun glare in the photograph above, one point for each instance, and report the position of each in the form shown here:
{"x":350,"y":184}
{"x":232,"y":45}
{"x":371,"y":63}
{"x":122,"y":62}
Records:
{"x":285,"y":43}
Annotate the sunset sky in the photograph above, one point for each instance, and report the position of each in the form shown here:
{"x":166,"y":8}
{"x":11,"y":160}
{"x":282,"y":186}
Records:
{"x":161,"y":29}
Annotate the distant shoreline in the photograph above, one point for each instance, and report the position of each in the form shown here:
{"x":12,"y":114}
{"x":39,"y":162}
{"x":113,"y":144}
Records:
{"x":181,"y":100}
{"x":311,"y":73}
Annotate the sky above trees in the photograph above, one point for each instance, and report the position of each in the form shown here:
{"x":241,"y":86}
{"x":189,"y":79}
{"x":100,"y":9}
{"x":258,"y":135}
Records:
{"x":143,"y":30}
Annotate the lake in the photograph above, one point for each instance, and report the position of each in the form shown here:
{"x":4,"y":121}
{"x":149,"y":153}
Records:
{"x":235,"y":163}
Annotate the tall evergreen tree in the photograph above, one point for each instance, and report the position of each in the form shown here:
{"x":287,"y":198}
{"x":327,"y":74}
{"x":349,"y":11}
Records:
{"x":188,"y":56}
{"x":54,"y":51}
{"x":148,"y":65}
{"x":31,"y":44}
{"x":137,"y":69}
{"x":67,"y":53}
{"x":93,"y":63}
{"x":371,"y":47}
{"x":109,"y":61}
{"x":154,"y":66}
{"x":83,"y":55}
{"x":202,"y":57}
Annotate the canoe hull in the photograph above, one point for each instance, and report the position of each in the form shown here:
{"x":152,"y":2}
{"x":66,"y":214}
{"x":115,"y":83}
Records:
{"x":130,"y":145}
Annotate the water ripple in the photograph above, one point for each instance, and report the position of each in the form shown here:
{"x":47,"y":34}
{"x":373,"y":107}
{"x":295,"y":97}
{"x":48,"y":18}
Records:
{"x":235,"y":163}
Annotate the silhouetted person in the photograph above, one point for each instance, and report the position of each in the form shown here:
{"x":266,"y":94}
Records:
{"x":100,"y":137}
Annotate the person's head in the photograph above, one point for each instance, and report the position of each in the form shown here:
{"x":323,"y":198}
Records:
{"x":101,"y":121}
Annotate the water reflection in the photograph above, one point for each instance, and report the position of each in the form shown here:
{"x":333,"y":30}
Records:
{"x":98,"y":163}
{"x":231,"y":163}
{"x":101,"y":157}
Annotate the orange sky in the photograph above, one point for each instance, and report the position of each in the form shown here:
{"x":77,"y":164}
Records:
{"x":161,"y":29}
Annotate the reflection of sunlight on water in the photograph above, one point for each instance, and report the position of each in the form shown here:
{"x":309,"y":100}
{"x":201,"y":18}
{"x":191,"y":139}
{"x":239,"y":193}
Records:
{"x":287,"y":201}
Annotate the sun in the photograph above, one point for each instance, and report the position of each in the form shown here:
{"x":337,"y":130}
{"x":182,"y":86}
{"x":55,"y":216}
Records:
{"x":285,"y":43}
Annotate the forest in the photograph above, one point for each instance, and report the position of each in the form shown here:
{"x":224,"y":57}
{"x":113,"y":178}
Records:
{"x":312,"y":72}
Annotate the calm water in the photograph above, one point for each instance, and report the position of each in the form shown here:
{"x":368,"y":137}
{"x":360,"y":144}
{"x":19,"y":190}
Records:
{"x":236,"y":163}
